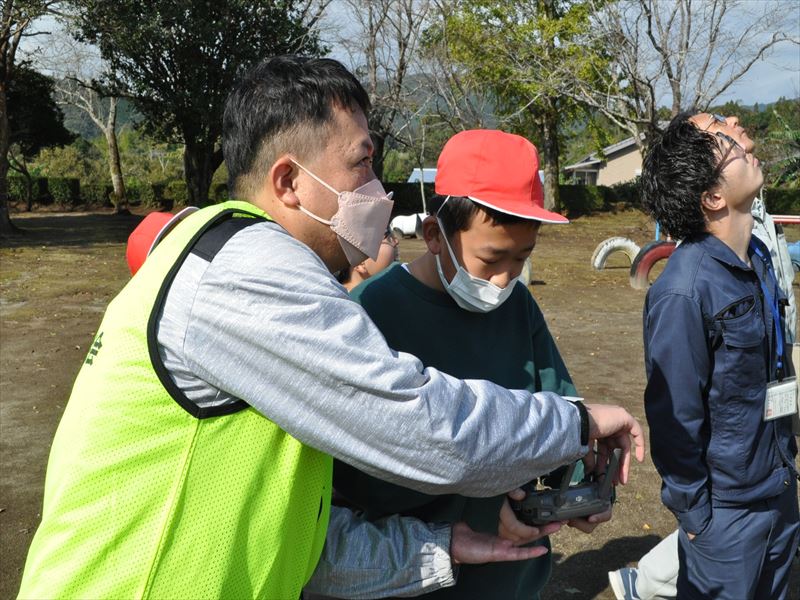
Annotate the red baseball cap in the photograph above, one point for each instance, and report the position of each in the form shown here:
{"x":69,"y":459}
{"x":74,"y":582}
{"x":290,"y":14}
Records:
{"x":496,"y":169}
{"x":149,"y":233}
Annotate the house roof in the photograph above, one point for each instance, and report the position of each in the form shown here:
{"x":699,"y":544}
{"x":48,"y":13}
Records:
{"x":593,"y":160}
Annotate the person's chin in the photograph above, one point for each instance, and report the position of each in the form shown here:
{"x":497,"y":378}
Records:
{"x":760,"y":177}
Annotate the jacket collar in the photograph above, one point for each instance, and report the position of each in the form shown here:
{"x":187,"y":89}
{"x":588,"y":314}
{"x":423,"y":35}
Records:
{"x":720,"y":251}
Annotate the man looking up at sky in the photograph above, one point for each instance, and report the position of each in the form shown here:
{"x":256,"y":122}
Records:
{"x":720,"y":391}
{"x":657,"y":573}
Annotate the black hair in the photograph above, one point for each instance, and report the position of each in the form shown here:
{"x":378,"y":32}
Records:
{"x":679,"y":167}
{"x":280,"y":94}
{"x":457,"y":213}
{"x":344,"y":275}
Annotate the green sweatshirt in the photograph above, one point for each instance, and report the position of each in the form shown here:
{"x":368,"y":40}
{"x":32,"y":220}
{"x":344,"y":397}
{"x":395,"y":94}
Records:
{"x":510,"y":346}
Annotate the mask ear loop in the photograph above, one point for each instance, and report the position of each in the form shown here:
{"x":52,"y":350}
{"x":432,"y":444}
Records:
{"x":456,"y":264}
{"x":314,"y":176}
{"x":300,"y":206}
{"x":439,"y":221}
{"x":442,"y":206}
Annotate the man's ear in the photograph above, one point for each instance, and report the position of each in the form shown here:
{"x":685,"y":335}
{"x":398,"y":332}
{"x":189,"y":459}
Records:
{"x":432,"y":234}
{"x":282,"y":177}
{"x":712,"y":201}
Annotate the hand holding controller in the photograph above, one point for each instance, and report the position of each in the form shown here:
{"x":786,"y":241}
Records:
{"x":595,"y":494}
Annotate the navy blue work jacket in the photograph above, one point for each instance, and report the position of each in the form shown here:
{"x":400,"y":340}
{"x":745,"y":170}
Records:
{"x":710,"y":352}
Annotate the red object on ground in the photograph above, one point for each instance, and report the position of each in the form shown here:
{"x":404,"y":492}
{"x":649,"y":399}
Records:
{"x":649,"y":255}
{"x":148,"y":233}
{"x":786,"y":219}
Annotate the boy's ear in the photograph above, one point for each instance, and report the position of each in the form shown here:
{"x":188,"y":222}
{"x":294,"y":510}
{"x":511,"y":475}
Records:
{"x":281,"y":181}
{"x":712,"y":201}
{"x":431,"y":234}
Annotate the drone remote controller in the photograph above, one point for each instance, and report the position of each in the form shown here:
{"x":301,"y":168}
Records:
{"x":591,"y":496}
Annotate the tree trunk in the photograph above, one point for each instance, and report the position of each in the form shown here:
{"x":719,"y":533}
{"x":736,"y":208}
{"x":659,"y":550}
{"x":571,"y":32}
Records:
{"x":120,"y":198}
{"x":28,"y":184}
{"x":200,"y":161}
{"x":6,"y":226}
{"x":548,"y":156}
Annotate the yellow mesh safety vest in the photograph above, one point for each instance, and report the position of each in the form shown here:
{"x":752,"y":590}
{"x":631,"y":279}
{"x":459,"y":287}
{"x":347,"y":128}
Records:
{"x":144,"y":499}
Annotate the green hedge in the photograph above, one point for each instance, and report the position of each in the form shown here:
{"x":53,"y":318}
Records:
{"x":96,"y":193}
{"x":582,"y":199}
{"x":576,"y":200}
{"x":177,"y":193}
{"x":150,"y":195}
{"x":65,"y":191}
{"x":18,"y":190}
{"x":628,"y":192}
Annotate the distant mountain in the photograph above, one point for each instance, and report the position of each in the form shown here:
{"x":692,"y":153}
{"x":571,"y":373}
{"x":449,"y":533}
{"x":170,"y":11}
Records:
{"x":78,"y":122}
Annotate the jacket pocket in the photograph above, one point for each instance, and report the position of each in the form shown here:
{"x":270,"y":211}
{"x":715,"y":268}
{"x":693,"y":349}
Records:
{"x":742,"y":359}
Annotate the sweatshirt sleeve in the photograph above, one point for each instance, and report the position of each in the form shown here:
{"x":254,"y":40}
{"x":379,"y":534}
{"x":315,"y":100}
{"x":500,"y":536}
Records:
{"x":676,"y":356}
{"x":269,"y":325}
{"x":407,"y":557}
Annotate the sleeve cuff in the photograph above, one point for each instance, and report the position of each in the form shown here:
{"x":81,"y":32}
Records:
{"x":439,"y":571}
{"x":695,"y":520}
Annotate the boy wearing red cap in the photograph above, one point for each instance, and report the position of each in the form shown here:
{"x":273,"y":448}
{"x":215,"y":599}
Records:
{"x":461,"y":308}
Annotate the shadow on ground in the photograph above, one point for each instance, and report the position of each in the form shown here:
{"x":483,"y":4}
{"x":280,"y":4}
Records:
{"x":78,"y":229}
{"x":584,"y":574}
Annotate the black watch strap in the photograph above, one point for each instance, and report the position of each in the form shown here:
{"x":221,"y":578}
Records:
{"x":584,"y":423}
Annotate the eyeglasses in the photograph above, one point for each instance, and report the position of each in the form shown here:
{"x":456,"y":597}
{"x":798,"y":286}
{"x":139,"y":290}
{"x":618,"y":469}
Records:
{"x":734,"y":145}
{"x":718,"y":119}
{"x":390,"y":239}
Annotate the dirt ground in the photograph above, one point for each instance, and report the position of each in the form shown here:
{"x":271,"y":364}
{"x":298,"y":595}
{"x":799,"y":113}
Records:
{"x":56,"y":280}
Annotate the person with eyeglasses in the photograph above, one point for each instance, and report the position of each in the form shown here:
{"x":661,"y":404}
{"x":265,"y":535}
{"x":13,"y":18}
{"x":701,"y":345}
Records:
{"x":656,"y":574}
{"x":720,"y":392}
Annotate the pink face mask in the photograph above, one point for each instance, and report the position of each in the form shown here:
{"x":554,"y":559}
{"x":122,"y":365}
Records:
{"x":361,"y":220}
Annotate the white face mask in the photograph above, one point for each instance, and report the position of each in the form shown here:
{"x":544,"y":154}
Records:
{"x":361,"y":219}
{"x":469,"y":292}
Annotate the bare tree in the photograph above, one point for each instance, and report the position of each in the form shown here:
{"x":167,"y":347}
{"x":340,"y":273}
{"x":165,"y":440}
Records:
{"x":382,"y":41}
{"x":17,"y":18}
{"x":457,"y":103}
{"x":75,"y":66}
{"x":682,"y":53}
{"x":102,"y":110}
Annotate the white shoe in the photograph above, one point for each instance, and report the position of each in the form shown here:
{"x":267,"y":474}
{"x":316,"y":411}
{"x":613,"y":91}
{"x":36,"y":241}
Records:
{"x":623,"y":583}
